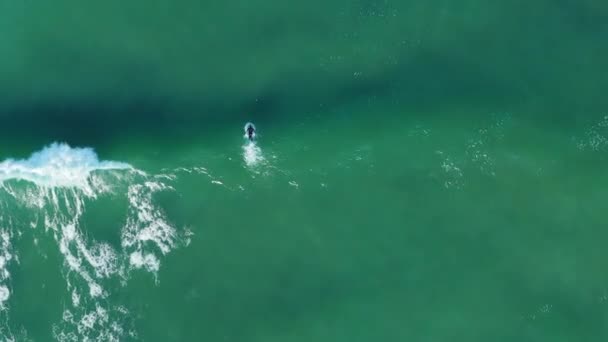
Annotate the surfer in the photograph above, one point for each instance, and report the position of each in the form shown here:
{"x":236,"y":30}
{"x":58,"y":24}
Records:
{"x":250,"y":131}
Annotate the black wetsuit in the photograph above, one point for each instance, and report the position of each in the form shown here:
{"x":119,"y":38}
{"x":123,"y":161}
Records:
{"x":250,"y":131}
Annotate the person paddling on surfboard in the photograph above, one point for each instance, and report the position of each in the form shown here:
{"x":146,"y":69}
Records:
{"x":250,"y":131}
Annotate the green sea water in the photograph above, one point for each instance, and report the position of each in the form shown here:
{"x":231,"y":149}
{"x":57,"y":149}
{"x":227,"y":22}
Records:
{"x":424,"y":171}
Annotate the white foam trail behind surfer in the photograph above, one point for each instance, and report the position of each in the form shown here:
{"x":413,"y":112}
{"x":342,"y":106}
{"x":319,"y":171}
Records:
{"x":55,"y":186}
{"x":252,"y":154}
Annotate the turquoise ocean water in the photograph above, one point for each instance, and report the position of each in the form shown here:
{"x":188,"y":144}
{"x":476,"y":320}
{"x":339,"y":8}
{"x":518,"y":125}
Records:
{"x":424,"y":171}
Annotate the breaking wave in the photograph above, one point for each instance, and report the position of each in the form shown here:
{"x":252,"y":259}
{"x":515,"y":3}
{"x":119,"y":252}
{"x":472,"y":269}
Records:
{"x":51,"y":190}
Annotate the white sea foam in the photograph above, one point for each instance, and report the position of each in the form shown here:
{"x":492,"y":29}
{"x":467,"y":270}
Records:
{"x":147,"y":224}
{"x":148,"y":261}
{"x":454,"y":176}
{"x":252,"y":154}
{"x":56,"y":185}
{"x":96,"y":324}
{"x":4,"y":294}
{"x":596,"y":137}
{"x":58,"y":165}
{"x":6,"y":257}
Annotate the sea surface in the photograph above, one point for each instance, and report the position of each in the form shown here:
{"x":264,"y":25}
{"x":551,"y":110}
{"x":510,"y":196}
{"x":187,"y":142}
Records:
{"x":423,"y":171}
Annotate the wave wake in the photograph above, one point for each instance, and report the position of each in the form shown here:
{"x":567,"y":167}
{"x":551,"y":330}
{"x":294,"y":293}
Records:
{"x":252,"y":154}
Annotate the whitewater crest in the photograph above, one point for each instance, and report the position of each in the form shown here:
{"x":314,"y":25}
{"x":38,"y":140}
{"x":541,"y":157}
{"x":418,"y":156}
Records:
{"x":58,"y":165}
{"x":51,"y":190}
